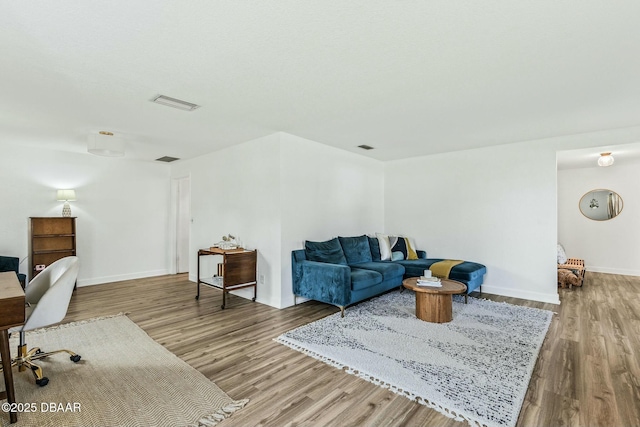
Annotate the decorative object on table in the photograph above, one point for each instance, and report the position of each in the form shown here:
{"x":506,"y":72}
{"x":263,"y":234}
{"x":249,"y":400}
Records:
{"x":227,"y":242}
{"x":429,"y":281}
{"x":451,"y":367}
{"x":117,"y":383}
{"x":66,"y":196}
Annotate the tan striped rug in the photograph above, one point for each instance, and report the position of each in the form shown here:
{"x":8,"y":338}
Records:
{"x":124,"y":378}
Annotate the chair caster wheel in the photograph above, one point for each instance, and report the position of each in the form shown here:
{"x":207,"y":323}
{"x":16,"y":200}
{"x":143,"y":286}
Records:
{"x":197,"y":297}
{"x":222,"y":306}
{"x":253,"y":299}
{"x":76,"y":358}
{"x":42,"y":381}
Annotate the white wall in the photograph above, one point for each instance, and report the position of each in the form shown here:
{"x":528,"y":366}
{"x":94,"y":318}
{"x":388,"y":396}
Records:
{"x":326,"y":192}
{"x":611,"y":246}
{"x":496,"y":206}
{"x":275,"y":192}
{"x":237,"y":191}
{"x":122,"y":209}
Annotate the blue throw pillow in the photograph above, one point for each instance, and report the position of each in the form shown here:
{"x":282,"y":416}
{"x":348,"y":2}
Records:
{"x":329,"y":251}
{"x":356,"y":249}
{"x":374,"y":244}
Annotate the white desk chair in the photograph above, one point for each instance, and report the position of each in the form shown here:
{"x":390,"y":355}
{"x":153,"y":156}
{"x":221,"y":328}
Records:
{"x":47,"y":296}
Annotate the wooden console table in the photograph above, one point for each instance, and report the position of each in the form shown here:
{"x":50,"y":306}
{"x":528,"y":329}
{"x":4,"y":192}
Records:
{"x":12,"y":313}
{"x":237,"y":271}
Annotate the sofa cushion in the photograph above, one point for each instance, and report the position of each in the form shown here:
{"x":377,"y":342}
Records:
{"x":401,"y":245}
{"x":389,"y":270}
{"x":362,"y":278}
{"x":356,"y":249}
{"x":385,"y":247}
{"x":329,"y":251}
{"x":465,"y":272}
{"x":375,"y":248}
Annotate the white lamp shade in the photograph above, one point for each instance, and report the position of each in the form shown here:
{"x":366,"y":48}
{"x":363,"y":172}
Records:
{"x":66,"y":195}
{"x":106,"y":145}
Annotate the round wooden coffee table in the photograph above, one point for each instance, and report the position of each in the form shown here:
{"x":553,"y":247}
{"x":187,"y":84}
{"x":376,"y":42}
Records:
{"x":434,"y":304}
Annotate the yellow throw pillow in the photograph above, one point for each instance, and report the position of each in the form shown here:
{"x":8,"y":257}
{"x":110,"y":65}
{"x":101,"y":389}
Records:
{"x":411,"y":252}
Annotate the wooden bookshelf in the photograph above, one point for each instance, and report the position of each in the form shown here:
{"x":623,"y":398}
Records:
{"x":52,"y":238}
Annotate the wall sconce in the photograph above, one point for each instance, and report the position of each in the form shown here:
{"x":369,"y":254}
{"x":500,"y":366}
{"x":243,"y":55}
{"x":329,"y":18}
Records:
{"x":66,"y":196}
{"x":605,"y":159}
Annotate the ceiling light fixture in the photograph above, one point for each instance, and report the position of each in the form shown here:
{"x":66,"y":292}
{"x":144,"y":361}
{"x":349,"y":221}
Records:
{"x":175,"y":103}
{"x":105,"y":144}
{"x":605,"y":159}
{"x":365,"y":147}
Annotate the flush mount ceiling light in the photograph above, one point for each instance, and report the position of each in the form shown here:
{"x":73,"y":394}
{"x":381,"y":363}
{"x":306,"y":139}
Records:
{"x":175,"y":103}
{"x":105,"y":144}
{"x":365,"y":147}
{"x":605,"y":159}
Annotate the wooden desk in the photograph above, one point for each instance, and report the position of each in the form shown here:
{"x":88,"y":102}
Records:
{"x":238,"y":270}
{"x":12,"y":314}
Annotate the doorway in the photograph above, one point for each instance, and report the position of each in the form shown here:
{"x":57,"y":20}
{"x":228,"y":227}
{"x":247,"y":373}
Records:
{"x":183,"y":223}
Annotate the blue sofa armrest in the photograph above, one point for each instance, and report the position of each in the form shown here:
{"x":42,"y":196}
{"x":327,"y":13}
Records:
{"x":421,"y":254}
{"x":320,"y":281}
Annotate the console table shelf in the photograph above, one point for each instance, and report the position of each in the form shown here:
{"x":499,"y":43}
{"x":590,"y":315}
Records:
{"x":237,"y":271}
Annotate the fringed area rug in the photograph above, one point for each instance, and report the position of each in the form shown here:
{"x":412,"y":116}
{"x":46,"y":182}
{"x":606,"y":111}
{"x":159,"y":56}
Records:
{"x":124,"y":378}
{"x":476,"y":368}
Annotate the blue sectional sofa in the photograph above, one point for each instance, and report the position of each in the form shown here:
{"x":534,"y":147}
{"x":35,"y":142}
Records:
{"x":345,"y":270}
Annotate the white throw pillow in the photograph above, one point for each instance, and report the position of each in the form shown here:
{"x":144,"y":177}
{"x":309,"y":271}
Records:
{"x":562,"y":256}
{"x":385,"y":247}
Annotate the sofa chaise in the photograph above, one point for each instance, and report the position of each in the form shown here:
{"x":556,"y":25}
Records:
{"x":346,"y":270}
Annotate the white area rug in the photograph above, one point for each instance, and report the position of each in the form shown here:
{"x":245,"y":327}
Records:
{"x":125,"y":378}
{"x":476,"y":368}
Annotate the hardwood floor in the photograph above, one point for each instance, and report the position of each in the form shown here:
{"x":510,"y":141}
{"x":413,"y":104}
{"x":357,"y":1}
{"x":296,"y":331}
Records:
{"x":587,"y":374}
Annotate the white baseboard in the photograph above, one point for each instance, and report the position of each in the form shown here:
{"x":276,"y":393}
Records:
{"x":553,"y":298}
{"x":121,"y":277}
{"x":607,"y":270}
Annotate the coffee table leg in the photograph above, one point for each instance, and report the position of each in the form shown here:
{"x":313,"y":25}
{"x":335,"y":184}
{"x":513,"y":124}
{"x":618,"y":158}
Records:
{"x":435,"y":308}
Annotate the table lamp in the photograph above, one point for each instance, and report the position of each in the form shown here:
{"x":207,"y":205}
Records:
{"x":66,"y":196}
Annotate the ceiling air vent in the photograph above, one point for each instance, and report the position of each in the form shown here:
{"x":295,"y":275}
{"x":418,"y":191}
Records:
{"x":167,"y":159}
{"x":365,"y":147}
{"x":175,"y":103}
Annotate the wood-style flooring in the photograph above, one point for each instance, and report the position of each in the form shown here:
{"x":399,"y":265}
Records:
{"x":588,"y":372}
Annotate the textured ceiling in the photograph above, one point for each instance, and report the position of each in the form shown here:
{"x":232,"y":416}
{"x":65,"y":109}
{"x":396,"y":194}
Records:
{"x":406,"y":77}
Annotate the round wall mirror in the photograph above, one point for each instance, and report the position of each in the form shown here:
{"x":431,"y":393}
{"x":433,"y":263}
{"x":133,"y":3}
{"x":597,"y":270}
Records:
{"x":601,"y":205}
